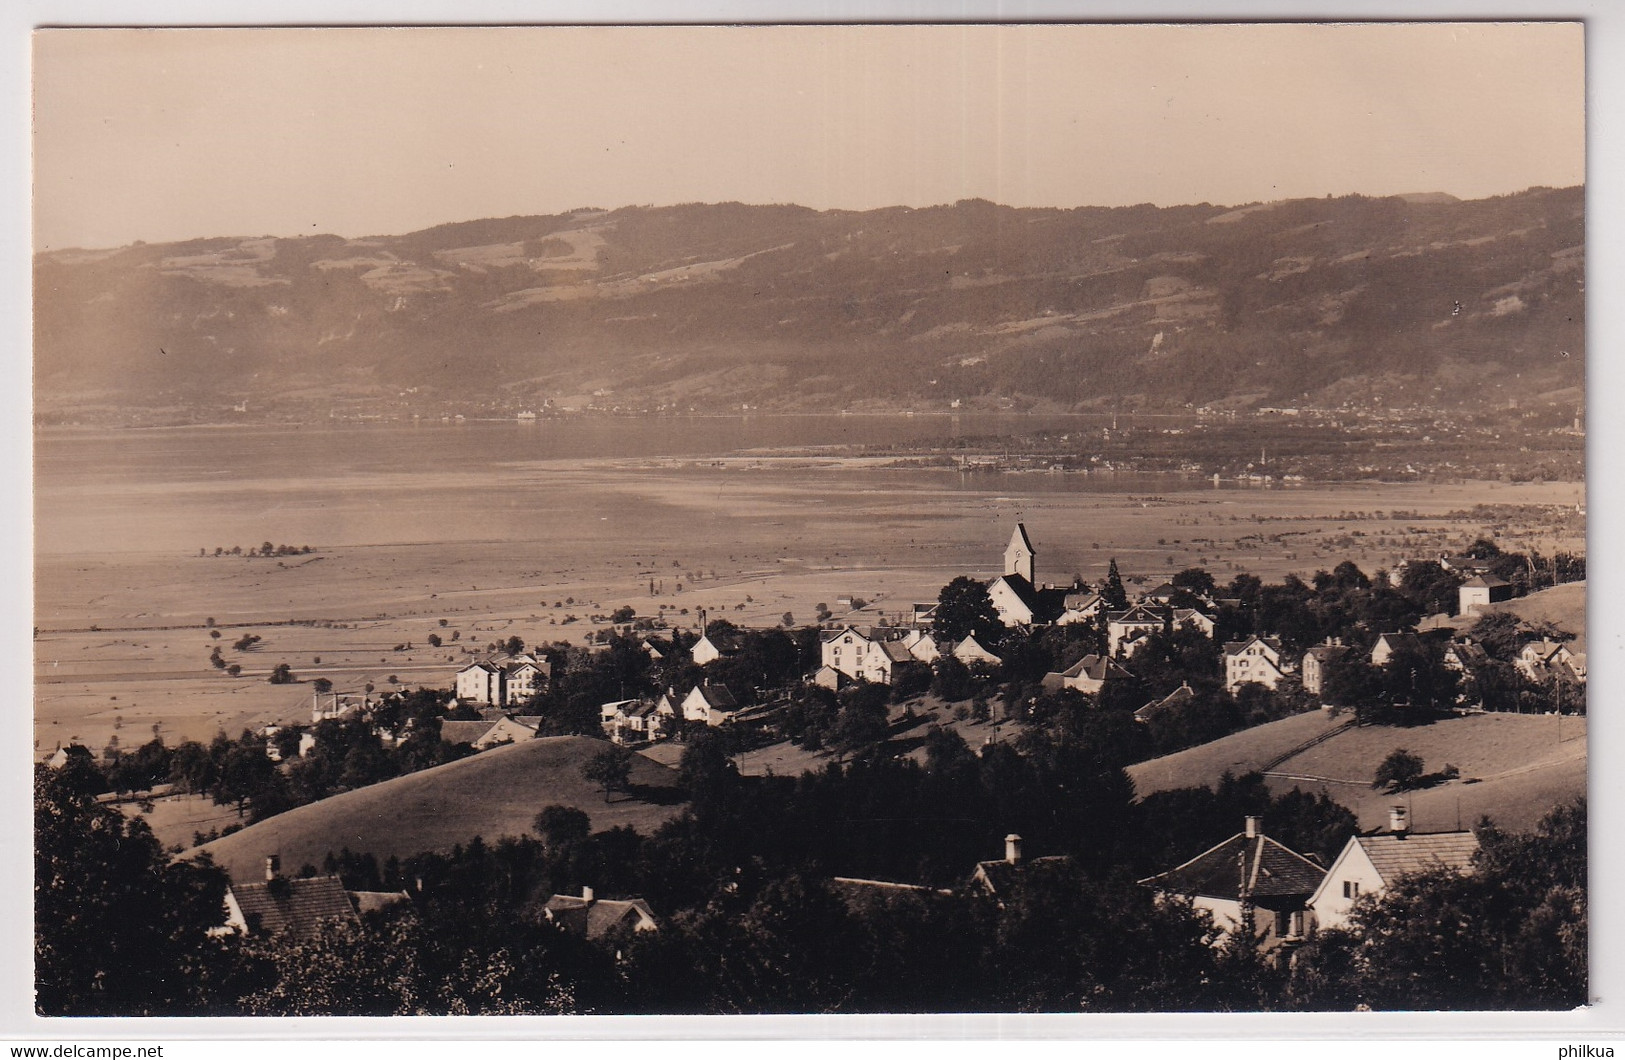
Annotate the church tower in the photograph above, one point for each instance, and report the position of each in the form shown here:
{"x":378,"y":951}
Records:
{"x":1019,"y":556}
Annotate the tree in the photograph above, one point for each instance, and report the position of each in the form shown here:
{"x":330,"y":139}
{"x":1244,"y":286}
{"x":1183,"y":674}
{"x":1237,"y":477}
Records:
{"x":964,"y":609}
{"x":322,"y":685}
{"x":1398,"y":771}
{"x":610,"y":768}
{"x":119,"y":929}
{"x":515,"y":645}
{"x":1194,"y":580}
{"x":561,"y":826}
{"x":1112,"y":594}
{"x":434,"y":640}
{"x":281,"y":674}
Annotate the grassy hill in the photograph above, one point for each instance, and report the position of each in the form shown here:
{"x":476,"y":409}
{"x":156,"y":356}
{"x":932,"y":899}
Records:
{"x":493,"y":794}
{"x":1514,"y":767}
{"x":1564,"y":606}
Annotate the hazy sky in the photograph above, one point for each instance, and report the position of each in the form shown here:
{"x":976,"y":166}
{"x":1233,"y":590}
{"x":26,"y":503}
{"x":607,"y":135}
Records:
{"x":170,"y":134}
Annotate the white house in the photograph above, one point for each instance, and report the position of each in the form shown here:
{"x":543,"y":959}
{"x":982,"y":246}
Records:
{"x":1080,"y":605}
{"x":1088,"y":675}
{"x":922,"y":645}
{"x":1370,"y":864}
{"x":709,"y":704}
{"x":1547,"y":660}
{"x":502,"y":682}
{"x":970,"y":650}
{"x":631,"y":720}
{"x":713,"y":646}
{"x":862,"y":656}
{"x":480,"y":682}
{"x":1256,"y":659}
{"x":508,"y":729}
{"x":1391,"y":643}
{"x":1125,"y":628}
{"x":1482,"y":590}
{"x":1315,"y":662}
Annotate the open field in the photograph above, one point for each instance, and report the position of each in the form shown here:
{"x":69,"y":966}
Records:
{"x":1514,"y":767}
{"x":493,"y":794}
{"x":536,"y":549}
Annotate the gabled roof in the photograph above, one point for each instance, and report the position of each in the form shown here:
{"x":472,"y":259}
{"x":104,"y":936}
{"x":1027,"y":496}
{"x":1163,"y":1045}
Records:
{"x":481,"y":664}
{"x":1096,"y":668}
{"x":1182,"y":694}
{"x":830,"y":635}
{"x":1272,"y":870}
{"x":1484,"y":581}
{"x":1395,"y":640}
{"x":598,"y":917}
{"x":999,"y":876}
{"x":897,"y":651}
{"x":456,"y":732}
{"x":1394,"y":856}
{"x":298,"y":906}
{"x":1080,"y":600}
{"x":1469,"y":653}
{"x":858,"y":893}
{"x":1146,"y":614}
{"x":717,"y":697}
{"x":1236,"y":647}
{"x":1327,"y":652}
{"x":724,"y":642}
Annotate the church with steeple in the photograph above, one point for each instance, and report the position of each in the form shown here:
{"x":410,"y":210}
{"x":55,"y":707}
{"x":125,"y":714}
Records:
{"x":1016,"y":594}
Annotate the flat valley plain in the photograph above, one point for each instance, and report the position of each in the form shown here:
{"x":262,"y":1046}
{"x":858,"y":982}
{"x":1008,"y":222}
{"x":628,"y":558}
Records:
{"x":482,"y":533}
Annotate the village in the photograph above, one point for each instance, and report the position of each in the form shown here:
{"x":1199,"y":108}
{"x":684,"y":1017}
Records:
{"x":1004,"y":661}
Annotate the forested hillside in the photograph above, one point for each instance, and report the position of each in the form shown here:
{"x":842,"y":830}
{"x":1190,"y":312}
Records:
{"x":1390,"y":301}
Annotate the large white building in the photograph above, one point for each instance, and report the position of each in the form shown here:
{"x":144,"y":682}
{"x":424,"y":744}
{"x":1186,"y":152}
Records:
{"x":502,"y":682}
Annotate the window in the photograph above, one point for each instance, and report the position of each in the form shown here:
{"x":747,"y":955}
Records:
{"x":1351,"y":889}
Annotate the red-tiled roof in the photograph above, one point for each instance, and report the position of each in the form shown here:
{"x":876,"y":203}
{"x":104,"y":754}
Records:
{"x":295,"y":905}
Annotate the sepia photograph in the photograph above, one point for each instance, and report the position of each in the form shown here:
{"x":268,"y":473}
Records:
{"x":730,"y":520}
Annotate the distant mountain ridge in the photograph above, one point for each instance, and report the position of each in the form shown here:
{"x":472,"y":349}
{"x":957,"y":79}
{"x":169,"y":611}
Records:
{"x":1416,"y":299}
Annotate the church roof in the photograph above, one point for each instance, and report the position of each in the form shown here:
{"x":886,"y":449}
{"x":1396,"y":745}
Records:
{"x":1045,"y":604}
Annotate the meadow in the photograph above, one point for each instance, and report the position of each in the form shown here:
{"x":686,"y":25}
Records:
{"x":127,"y":582}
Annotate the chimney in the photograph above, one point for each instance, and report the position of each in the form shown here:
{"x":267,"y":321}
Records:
{"x":1255,"y":827}
{"x":586,"y":895}
{"x":1398,"y":822}
{"x":1012,"y":849}
{"x":273,"y":866}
